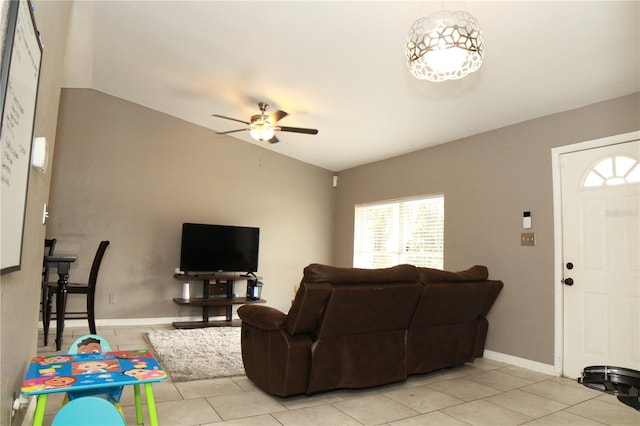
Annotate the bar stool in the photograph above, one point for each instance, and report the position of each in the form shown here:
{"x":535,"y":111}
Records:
{"x":77,"y":288}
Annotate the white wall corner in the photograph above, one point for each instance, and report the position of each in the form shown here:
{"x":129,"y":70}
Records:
{"x":521,"y":362}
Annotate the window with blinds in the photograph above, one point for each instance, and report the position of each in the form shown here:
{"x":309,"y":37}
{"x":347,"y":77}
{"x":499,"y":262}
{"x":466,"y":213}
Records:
{"x":409,"y":231}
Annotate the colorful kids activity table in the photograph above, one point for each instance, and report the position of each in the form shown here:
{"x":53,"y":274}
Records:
{"x":91,"y":372}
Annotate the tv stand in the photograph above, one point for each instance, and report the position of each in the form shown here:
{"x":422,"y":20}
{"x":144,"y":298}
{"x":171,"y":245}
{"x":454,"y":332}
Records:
{"x":221,"y":296}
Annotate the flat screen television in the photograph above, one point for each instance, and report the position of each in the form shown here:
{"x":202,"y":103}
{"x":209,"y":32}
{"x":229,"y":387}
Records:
{"x":219,"y":248}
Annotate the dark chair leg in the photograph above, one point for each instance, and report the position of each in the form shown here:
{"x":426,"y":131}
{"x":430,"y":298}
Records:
{"x":46,"y":316}
{"x":91,"y":314}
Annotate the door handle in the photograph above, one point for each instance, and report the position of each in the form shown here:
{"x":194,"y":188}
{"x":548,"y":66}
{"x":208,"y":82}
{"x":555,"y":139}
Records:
{"x":568,"y":281}
{"x":569,"y":265}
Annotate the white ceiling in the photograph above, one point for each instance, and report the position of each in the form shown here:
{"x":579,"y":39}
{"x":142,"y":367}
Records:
{"x":339,"y":67}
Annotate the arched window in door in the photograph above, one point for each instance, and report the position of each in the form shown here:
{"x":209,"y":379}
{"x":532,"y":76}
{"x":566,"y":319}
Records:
{"x":615,"y":170}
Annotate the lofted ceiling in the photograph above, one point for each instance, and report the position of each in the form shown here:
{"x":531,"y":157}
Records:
{"x":339,"y":66}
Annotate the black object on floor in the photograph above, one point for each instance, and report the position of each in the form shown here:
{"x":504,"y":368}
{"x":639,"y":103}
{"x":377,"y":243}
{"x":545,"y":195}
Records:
{"x":622,"y":382}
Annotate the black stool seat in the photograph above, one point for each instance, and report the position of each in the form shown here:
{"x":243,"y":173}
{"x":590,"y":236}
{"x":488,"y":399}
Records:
{"x":619,"y":381}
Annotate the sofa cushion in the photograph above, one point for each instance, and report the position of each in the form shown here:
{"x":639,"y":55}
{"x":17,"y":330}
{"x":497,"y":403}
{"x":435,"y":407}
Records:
{"x":319,"y":281}
{"x":353,"y":309}
{"x":264,"y":317}
{"x":316,"y":273}
{"x":307,"y":307}
{"x":475,"y":273}
{"x":444,"y":303}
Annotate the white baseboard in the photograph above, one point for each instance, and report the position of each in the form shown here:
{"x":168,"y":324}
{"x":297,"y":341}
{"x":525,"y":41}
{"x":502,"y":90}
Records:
{"x":521,"y":362}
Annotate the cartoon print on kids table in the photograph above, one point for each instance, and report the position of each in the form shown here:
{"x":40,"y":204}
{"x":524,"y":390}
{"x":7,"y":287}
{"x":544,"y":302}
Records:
{"x":60,"y":381}
{"x":40,"y":383}
{"x":53,"y":359}
{"x":141,"y":353}
{"x":143,"y":373}
{"x":93,"y":367}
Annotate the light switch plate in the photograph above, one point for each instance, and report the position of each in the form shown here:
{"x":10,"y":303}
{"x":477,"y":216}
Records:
{"x":528,"y":239}
{"x":45,"y":214}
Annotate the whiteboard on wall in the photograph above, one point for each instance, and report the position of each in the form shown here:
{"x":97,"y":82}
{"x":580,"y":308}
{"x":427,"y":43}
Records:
{"x":19,"y":77}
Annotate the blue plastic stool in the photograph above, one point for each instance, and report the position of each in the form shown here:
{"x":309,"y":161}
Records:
{"x":89,"y":410}
{"x":93,"y":343}
{"x":89,"y":343}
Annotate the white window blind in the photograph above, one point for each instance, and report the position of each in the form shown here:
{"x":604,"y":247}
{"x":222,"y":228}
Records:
{"x":409,"y":231}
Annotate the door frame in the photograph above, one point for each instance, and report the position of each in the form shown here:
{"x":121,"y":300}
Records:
{"x":556,"y":153}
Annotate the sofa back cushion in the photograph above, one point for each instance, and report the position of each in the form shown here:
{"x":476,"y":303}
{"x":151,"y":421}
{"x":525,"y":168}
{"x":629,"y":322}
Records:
{"x":455,"y":297}
{"x":353,"y":309}
{"x":307,"y":307}
{"x":495,"y":287}
{"x":316,"y":273}
{"x":450,"y":303}
{"x":475,"y":273}
{"x":320,"y":281}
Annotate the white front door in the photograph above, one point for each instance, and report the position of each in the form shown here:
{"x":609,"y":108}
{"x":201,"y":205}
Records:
{"x":601,"y":257}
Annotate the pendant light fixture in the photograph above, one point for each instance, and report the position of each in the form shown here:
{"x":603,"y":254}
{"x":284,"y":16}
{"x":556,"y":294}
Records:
{"x":444,"y":46}
{"x":261,"y":127}
{"x":262,"y":130}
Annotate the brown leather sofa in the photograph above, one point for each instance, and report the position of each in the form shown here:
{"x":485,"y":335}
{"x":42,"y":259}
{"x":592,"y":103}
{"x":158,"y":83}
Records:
{"x":354,"y":328}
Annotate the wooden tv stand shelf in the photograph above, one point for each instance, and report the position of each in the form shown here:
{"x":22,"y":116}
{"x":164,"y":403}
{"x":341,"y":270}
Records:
{"x":217,"y":292}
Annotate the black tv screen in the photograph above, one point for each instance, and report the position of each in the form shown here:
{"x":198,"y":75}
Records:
{"x":219,"y":248}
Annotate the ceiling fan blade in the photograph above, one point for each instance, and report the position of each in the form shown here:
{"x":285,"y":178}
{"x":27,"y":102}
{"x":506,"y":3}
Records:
{"x":278,"y":115}
{"x":229,"y":118}
{"x":274,"y":140}
{"x":298,"y":130}
{"x":230,"y":131}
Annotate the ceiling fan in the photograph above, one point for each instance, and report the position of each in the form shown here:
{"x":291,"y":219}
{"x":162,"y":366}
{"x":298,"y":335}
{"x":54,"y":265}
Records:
{"x":262,"y":127}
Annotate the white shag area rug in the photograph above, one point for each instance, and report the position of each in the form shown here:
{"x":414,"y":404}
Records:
{"x":202,"y":353}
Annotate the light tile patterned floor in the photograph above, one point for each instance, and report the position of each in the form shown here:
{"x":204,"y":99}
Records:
{"x":483,"y":393}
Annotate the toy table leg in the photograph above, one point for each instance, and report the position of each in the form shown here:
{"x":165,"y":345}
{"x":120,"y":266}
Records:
{"x":138,"y":400}
{"x":151,"y":404}
{"x":41,"y":405}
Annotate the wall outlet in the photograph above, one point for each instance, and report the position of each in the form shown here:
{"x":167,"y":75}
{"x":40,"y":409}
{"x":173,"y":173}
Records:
{"x":528,"y":239}
{"x":112,"y":298}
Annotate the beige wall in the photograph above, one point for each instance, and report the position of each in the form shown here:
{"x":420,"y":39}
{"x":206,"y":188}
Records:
{"x":133,"y":175}
{"x":20,"y":291}
{"x":120,"y":171}
{"x":488,"y":181}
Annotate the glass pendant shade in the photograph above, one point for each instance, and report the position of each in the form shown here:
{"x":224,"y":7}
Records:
{"x":444,"y":46}
{"x":262,"y":130}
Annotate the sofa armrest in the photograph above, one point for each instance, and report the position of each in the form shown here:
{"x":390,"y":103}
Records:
{"x":262,"y":317}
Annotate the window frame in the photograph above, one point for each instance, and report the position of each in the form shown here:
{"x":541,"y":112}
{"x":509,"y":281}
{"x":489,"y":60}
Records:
{"x":365,"y":253}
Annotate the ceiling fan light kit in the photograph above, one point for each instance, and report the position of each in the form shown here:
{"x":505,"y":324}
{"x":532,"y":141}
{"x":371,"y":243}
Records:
{"x":262,"y":132}
{"x":262,"y":127}
{"x":444,"y":46}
